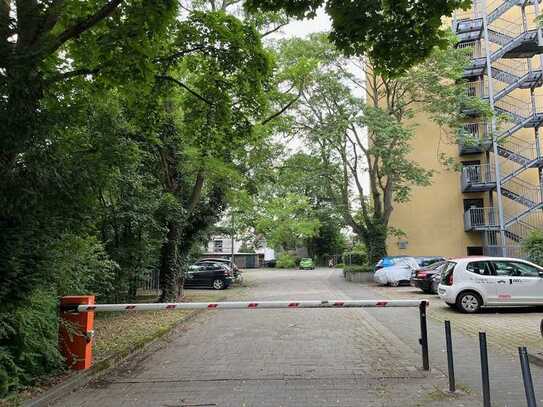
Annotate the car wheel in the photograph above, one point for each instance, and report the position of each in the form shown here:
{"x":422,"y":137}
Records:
{"x":218,"y":284}
{"x":469,"y":302}
{"x":394,"y":283}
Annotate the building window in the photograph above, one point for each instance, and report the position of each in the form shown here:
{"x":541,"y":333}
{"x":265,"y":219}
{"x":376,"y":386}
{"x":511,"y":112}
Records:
{"x":217,"y":246}
{"x":402,"y":244}
{"x":475,"y":250}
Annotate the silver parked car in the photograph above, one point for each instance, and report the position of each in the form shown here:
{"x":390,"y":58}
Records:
{"x":399,"y":273}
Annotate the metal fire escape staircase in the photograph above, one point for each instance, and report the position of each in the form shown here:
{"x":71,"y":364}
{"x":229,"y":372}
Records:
{"x":507,"y":47}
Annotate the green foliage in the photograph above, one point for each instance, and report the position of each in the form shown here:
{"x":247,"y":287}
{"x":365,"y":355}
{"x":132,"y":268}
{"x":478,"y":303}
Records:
{"x":330,"y":117}
{"x":82,"y":266}
{"x":358,"y":256}
{"x":33,"y":352}
{"x":533,"y":246}
{"x":117,"y":151}
{"x":395,"y":35}
{"x":287,"y":221}
{"x":286,"y":261}
{"x":357,"y":268}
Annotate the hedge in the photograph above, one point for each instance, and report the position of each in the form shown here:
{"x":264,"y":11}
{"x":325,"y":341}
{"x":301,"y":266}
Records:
{"x":355,"y":268}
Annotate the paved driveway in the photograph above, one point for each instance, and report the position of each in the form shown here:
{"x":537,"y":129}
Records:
{"x":303,"y":357}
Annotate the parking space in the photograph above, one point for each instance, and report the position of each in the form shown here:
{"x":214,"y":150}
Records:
{"x":506,"y":328}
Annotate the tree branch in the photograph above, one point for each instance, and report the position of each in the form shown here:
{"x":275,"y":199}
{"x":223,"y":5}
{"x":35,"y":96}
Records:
{"x":282,"y":110}
{"x":181,"y":84}
{"x":79,"y":28}
{"x":196,"y":191}
{"x":273,"y":30}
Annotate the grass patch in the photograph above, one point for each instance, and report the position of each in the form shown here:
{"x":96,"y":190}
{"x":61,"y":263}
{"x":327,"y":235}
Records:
{"x":119,"y":333}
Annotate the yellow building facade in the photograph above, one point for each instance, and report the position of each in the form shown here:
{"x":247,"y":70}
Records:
{"x":495,"y":200}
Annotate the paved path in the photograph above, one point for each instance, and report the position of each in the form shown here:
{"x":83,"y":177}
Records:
{"x":304,"y":357}
{"x":505,"y":376}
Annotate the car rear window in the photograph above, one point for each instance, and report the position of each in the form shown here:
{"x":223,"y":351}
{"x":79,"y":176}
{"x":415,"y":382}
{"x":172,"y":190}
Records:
{"x":447,"y":271}
{"x":479,"y":267}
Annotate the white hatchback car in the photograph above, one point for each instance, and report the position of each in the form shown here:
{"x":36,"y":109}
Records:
{"x":470,"y":283}
{"x":397,"y":274}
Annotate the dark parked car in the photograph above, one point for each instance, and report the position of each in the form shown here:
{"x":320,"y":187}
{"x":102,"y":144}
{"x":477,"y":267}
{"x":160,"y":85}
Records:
{"x":236,"y":271}
{"x":214,"y":275}
{"x":424,"y":278}
{"x":425,"y":261}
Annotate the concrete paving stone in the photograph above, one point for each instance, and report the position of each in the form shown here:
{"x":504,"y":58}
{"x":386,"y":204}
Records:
{"x":304,"y":357}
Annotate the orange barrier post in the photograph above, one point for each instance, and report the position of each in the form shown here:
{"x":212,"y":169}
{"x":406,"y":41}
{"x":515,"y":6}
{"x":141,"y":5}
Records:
{"x":76,"y":331}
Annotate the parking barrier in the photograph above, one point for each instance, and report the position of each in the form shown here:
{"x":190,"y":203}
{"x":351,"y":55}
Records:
{"x":68,"y":309}
{"x":484,"y":369}
{"x":527,"y":377}
{"x":450,"y":357}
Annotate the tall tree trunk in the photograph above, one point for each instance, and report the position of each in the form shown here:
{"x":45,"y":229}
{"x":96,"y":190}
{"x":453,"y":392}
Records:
{"x":375,"y":241}
{"x":171,"y":276}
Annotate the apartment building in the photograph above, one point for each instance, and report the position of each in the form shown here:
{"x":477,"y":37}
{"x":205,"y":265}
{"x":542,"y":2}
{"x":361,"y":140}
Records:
{"x":495,"y":200}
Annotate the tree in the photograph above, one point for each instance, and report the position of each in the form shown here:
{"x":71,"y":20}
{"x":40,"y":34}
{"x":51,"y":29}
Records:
{"x":394,"y":35}
{"x":533,"y":246}
{"x":331,"y":119}
{"x":287,"y":221}
{"x":118,"y":146}
{"x":302,"y":174}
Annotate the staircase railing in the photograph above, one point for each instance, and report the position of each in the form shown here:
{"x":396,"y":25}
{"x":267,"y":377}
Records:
{"x":522,"y":192}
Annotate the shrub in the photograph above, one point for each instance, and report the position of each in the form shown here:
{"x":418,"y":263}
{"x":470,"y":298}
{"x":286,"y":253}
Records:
{"x":28,"y":341}
{"x":358,"y":257}
{"x":286,"y":261}
{"x":357,"y":268}
{"x":340,"y":265}
{"x":533,"y":246}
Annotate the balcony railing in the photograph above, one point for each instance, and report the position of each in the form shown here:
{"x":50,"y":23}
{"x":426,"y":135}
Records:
{"x":473,"y":138}
{"x":480,"y":219}
{"x":476,"y":178}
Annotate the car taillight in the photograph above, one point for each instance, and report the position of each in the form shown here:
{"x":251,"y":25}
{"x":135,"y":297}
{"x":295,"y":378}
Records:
{"x":422,"y":274}
{"x":450,"y":278}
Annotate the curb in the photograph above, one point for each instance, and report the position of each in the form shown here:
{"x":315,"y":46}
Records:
{"x":80,"y":379}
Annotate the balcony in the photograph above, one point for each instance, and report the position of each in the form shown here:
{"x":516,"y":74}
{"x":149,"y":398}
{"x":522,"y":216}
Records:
{"x":473,"y":139}
{"x":478,"y":178}
{"x":477,"y":219}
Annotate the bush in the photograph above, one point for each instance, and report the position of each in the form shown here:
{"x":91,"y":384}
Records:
{"x":358,"y":257}
{"x":340,"y":265}
{"x":286,"y":261}
{"x":28,"y":341}
{"x":357,"y":268}
{"x":533,"y":246}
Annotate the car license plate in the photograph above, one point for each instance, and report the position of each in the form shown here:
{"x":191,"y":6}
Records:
{"x":442,"y":291}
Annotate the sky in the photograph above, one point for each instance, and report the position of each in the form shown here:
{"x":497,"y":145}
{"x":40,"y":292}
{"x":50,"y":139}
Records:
{"x":301,"y":28}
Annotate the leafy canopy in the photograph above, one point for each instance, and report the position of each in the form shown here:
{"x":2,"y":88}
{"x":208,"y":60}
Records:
{"x":395,"y":34}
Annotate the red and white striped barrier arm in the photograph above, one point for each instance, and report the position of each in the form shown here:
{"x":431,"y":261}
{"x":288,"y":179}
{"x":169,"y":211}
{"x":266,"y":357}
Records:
{"x":247,"y":305}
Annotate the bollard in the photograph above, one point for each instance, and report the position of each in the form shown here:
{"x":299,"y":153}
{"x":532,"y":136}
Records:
{"x":424,"y":335}
{"x":484,"y":369}
{"x":527,"y":377}
{"x":450,"y":360}
{"x":76,"y":331}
